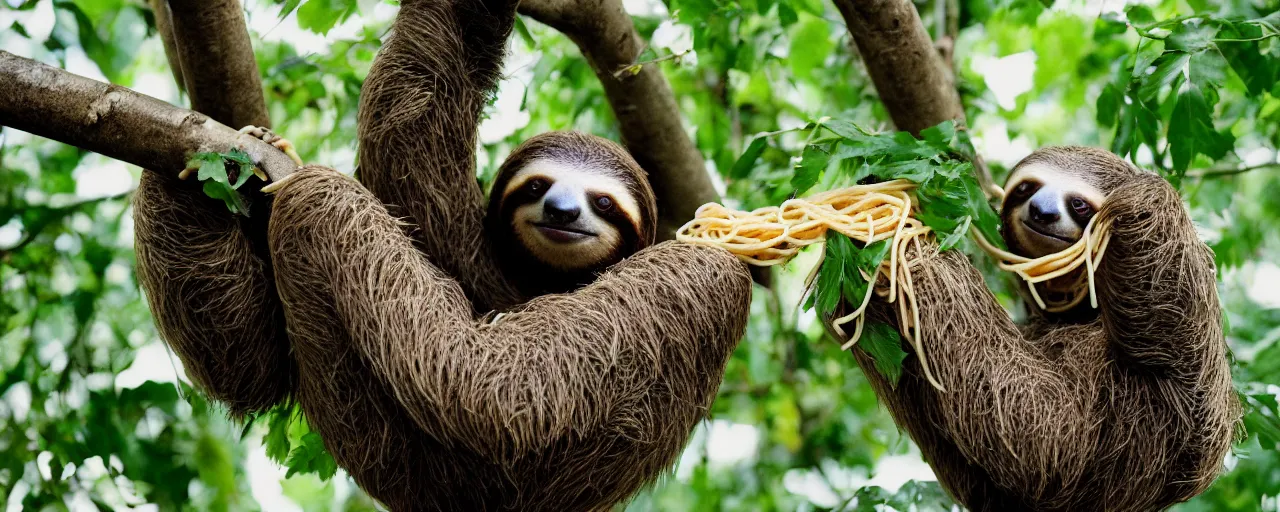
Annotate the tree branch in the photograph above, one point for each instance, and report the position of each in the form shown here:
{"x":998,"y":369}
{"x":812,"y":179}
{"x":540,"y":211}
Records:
{"x":648,"y":116}
{"x":1218,"y":172}
{"x":913,"y":79}
{"x":117,"y":122}
{"x":910,"y":76}
{"x":164,"y":26}
{"x":217,"y":63}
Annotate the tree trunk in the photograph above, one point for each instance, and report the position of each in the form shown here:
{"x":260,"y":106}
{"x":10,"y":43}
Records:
{"x":914,"y":81}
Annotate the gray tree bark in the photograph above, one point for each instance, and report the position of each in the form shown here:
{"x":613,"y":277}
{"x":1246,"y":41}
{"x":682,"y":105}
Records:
{"x":117,"y":122}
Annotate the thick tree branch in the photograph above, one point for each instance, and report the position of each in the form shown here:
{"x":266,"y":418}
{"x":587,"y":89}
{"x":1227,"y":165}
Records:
{"x":116,"y":121}
{"x":218,"y":67}
{"x":913,"y":78}
{"x":646,"y":109}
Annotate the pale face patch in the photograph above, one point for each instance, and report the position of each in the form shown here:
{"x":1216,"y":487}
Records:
{"x":588,"y":240}
{"x":1043,"y":223}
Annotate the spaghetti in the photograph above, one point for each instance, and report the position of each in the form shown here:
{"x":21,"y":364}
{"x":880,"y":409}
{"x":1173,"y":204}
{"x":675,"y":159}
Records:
{"x":869,"y":214}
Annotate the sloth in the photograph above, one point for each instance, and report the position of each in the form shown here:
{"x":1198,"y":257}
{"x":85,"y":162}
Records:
{"x":1125,"y":407}
{"x":564,"y":207}
{"x":432,"y":360}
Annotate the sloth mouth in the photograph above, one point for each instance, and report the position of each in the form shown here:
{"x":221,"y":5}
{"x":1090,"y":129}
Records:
{"x":562,"y":234}
{"x":1040,"y":232}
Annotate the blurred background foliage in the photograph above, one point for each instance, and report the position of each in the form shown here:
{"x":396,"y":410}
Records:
{"x":96,"y":414}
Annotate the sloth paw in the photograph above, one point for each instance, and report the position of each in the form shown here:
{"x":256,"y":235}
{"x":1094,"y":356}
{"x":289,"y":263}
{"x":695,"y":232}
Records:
{"x":266,"y":135}
{"x":270,"y":137}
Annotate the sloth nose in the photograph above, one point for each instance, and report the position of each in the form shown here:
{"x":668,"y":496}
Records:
{"x":560,"y":209}
{"x":1043,"y":211}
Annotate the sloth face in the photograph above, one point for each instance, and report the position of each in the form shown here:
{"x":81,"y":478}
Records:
{"x":570,"y":216}
{"x":1046,"y":208}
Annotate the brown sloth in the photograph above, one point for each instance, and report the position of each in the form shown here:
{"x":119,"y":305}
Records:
{"x":570,"y":401}
{"x":1126,"y":407}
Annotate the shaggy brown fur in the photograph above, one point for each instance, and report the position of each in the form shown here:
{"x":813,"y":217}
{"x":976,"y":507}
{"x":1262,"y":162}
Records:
{"x":569,"y":402}
{"x":211,"y":294}
{"x":566,"y":402}
{"x":1131,"y":409}
{"x":589,"y":154}
{"x":419,"y":112}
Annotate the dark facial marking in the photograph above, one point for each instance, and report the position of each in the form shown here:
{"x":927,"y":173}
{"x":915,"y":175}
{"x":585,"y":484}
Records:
{"x":534,"y":188}
{"x":603,"y":203}
{"x":1081,"y":210}
{"x":1022,"y":192}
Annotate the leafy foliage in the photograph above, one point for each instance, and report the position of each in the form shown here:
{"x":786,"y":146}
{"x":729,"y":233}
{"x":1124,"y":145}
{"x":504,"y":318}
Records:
{"x":218,"y":184}
{"x":1175,"y":82}
{"x":950,"y":202}
{"x":84,"y":391}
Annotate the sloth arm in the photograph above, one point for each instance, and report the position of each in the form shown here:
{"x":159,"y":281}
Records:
{"x":1156,"y":286}
{"x":636,"y":355}
{"x":418,"y":121}
{"x":1009,"y":407}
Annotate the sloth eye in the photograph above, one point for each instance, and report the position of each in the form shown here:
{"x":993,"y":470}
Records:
{"x":1023,"y":188}
{"x":537,"y":185}
{"x":603,"y":203}
{"x":1081,"y":207}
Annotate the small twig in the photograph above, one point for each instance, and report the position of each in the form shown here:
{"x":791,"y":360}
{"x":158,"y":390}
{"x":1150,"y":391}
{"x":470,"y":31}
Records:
{"x":1216,"y":172}
{"x":54,"y":216}
{"x":634,"y":69}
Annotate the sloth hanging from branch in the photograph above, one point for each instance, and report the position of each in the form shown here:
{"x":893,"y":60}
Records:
{"x":1128,"y":406}
{"x":572,"y":401}
{"x":1116,"y":394}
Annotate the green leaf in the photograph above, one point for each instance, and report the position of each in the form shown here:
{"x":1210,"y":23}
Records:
{"x":811,"y":43}
{"x":1124,"y":141}
{"x":1191,"y":130}
{"x":276,"y":441}
{"x":1169,"y":66}
{"x":1139,"y":15}
{"x":1148,"y":51}
{"x":845,"y":129}
{"x":1191,"y":36}
{"x":883,"y":343}
{"x":524,"y":33}
{"x":227,"y":195}
{"x":786,"y":15}
{"x":742,"y":167}
{"x":320,"y":16}
{"x":217,"y":184}
{"x":311,"y":457}
{"x":215,"y":170}
{"x":812,"y":162}
{"x":1259,"y":72}
{"x":1109,"y":102}
{"x":1208,"y":69}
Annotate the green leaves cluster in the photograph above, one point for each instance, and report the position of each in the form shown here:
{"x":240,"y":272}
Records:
{"x":218,"y":184}
{"x":1174,"y":85}
{"x":290,"y":442}
{"x":950,"y":202}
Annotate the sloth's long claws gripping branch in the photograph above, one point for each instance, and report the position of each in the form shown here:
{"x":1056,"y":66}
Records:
{"x":117,"y":122}
{"x":869,"y":214}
